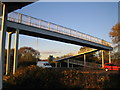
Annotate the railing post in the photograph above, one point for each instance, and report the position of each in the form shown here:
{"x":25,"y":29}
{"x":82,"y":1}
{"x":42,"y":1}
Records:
{"x":39,"y":23}
{"x":48,"y":26}
{"x":57,"y":28}
{"x":20,"y":18}
{"x":102,"y":42}
{"x":29,"y":21}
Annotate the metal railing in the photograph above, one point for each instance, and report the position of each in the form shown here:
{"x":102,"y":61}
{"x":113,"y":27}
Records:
{"x":28,"y":20}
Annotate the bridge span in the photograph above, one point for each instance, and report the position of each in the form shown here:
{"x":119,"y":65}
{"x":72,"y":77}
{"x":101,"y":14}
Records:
{"x":39,"y":28}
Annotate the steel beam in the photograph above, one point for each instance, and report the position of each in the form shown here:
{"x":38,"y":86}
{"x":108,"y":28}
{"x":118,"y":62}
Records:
{"x":2,"y":42}
{"x":8,"y":54}
{"x":16,"y":52}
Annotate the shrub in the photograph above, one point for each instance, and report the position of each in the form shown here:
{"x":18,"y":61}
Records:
{"x":34,"y":77}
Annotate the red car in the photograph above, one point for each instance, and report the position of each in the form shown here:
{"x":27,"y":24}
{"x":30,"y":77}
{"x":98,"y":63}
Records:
{"x":111,"y":66}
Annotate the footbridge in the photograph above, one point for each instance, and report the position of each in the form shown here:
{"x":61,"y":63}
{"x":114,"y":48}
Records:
{"x":22,"y":24}
{"x":84,"y":63}
{"x":28,"y":25}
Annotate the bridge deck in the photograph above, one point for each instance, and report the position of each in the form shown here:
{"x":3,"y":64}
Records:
{"x":39,"y":28}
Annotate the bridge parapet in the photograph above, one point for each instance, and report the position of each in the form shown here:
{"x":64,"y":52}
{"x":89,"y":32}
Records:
{"x":28,"y":20}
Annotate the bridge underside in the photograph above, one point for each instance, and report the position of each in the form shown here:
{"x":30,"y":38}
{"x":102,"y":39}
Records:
{"x":42,"y":33}
{"x":15,"y":5}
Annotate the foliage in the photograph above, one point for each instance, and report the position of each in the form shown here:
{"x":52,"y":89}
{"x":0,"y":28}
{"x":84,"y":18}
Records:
{"x":35,"y":77}
{"x":27,"y":56}
{"x":50,"y":58}
{"x":115,"y":33}
{"x":28,"y":53}
{"x":84,"y":49}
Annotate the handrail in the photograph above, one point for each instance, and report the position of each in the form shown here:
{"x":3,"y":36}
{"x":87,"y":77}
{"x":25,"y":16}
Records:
{"x":28,"y":20}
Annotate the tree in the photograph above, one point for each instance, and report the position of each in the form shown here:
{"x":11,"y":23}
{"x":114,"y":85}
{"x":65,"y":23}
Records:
{"x":115,"y":33}
{"x":84,"y":49}
{"x":115,"y":36}
{"x":28,"y":55}
{"x":50,"y":58}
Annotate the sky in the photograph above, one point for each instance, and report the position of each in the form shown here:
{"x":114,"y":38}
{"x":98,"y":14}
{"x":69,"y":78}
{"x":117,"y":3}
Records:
{"x":93,"y":18}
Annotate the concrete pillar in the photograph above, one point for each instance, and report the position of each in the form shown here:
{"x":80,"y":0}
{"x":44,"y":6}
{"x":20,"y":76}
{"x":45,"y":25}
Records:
{"x":2,"y":42}
{"x":8,"y":54}
{"x":84,"y":60}
{"x":72,"y":65}
{"x":60,"y":65}
{"x":16,"y":52}
{"x":109,"y":57}
{"x":68,"y":65}
{"x":0,"y":8}
{"x":102,"y":51}
{"x":55,"y":65}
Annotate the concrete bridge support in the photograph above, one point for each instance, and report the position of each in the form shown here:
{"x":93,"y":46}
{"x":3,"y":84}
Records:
{"x":68,"y":65}
{"x":2,"y":41}
{"x":16,"y":51}
{"x":56,"y":65}
{"x":8,"y":53}
{"x":110,"y":57}
{"x":84,"y":60}
{"x":60,"y":65}
{"x":102,"y":51}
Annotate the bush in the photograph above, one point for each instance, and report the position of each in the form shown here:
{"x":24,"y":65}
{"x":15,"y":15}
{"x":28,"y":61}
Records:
{"x":35,"y":77}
